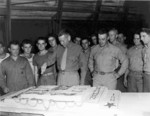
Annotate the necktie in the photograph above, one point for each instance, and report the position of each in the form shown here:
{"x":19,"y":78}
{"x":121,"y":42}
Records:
{"x":63,"y":61}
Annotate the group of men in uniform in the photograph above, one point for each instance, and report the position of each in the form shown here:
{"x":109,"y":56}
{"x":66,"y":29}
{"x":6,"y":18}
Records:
{"x":107,"y":63}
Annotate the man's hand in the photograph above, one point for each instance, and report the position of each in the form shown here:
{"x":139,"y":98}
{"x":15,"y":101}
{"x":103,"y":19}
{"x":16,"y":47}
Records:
{"x":6,"y":90}
{"x":43,"y":68}
{"x":93,"y":73}
{"x":125,"y":82}
{"x":116,"y":75}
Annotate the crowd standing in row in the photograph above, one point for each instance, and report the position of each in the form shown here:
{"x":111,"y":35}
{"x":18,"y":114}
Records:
{"x":103,"y":61}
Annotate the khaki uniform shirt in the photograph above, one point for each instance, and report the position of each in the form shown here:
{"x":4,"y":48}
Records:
{"x":87,"y":55}
{"x":18,"y":74}
{"x":146,"y":58}
{"x":75,"y":57}
{"x":104,"y":59}
{"x":121,"y":46}
{"x":52,"y":49}
{"x":39,"y":60}
{"x":135,"y":58}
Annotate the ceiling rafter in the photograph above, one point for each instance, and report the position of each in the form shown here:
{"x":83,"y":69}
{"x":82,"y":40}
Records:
{"x":32,"y":2}
{"x":70,"y":7}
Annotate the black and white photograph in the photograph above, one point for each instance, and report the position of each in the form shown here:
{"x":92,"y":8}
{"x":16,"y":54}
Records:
{"x":74,"y":57}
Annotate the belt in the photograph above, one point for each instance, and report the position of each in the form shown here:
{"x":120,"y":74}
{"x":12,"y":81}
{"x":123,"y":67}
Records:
{"x":147,"y":72}
{"x":102,"y":73}
{"x":63,"y":71}
{"x":136,"y":71}
{"x":47,"y":74}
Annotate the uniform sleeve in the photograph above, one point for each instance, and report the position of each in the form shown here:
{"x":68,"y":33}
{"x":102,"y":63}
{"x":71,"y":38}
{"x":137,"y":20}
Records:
{"x":82,"y":59}
{"x":51,"y":58}
{"x":2,"y":76}
{"x":91,"y":61}
{"x":82,"y":64}
{"x":29,"y":74}
{"x":123,"y":61}
{"x":34,"y":60}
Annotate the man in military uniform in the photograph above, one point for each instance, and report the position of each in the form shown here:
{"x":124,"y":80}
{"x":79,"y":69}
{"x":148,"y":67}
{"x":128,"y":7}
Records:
{"x":69,"y":57}
{"x":145,"y":37}
{"x":102,"y":62}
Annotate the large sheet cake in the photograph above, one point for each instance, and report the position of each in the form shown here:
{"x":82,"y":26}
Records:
{"x":63,"y":98}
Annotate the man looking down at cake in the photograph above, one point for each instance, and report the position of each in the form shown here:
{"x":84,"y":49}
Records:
{"x":17,"y":70}
{"x":102,"y":62}
{"x":70,"y":59}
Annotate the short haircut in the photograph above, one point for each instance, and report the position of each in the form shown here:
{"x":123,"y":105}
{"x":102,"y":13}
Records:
{"x":41,"y":38}
{"x":146,"y":30}
{"x":94,"y":34}
{"x":14,"y":42}
{"x":85,"y":39}
{"x":53,"y":35}
{"x":26,"y":41}
{"x":64,"y":32}
{"x":114,"y":29}
{"x":102,"y":31}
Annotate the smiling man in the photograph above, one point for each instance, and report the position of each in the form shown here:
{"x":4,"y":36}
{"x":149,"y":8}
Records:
{"x":102,"y":62}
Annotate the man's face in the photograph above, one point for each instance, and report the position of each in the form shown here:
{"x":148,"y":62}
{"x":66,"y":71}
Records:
{"x":94,"y":40}
{"x":64,"y":40}
{"x":2,"y":48}
{"x":145,"y":37}
{"x":85,"y":44}
{"x":41,"y":44}
{"x":52,"y":41}
{"x":102,"y":39}
{"x":112,"y":36}
{"x":121,"y":38}
{"x":14,"y":50}
{"x":78,"y":40}
{"x":137,"y":40}
{"x":27,"y":48}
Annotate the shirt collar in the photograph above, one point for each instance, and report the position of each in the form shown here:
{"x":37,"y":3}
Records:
{"x":138,"y":47}
{"x":148,"y":45}
{"x":87,"y":50}
{"x":106,"y":45}
{"x":13,"y":59}
{"x":69,"y":44}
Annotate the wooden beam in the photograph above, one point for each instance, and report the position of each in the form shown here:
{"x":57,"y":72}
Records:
{"x":3,"y":11}
{"x":60,"y":7}
{"x":52,"y":9}
{"x":8,"y":22}
{"x":32,"y":2}
{"x":30,"y":8}
{"x":96,"y":15}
